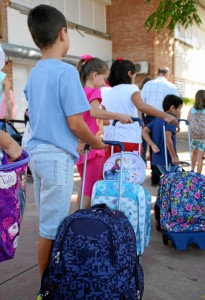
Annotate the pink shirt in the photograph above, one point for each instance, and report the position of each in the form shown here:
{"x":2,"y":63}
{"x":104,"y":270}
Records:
{"x":91,"y":94}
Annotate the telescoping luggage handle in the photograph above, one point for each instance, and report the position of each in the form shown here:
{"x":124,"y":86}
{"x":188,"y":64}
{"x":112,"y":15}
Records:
{"x":114,"y":143}
{"x":189,"y":143}
{"x":134,"y":120}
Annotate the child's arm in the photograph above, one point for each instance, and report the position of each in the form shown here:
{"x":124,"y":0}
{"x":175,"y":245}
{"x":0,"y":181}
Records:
{"x":170,"y":147}
{"x":106,"y":122}
{"x":97,"y":113}
{"x":10,"y":146}
{"x":79,"y":128}
{"x":150,"y":110}
{"x":146,"y":135}
{"x":7,"y":86}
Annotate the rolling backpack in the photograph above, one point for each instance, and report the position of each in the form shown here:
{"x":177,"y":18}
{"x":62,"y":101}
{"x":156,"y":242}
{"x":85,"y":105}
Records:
{"x":94,"y":257}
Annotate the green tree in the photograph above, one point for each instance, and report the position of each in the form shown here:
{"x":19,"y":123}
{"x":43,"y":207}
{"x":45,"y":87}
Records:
{"x":170,"y":13}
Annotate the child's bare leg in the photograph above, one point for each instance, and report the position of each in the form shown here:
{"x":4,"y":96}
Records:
{"x":199,"y":161}
{"x":86,"y":201}
{"x":78,"y":200}
{"x":44,"y":253}
{"x":194,"y":158}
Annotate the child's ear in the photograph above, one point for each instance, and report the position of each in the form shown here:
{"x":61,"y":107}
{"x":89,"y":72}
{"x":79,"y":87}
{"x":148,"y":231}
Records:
{"x":172,"y":108}
{"x":94,"y":74}
{"x":63,"y":34}
{"x":129,"y":73}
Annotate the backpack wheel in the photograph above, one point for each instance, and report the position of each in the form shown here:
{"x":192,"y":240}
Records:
{"x":165,"y":239}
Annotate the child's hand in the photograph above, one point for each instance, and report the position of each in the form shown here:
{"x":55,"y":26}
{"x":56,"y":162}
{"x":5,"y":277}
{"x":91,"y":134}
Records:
{"x":155,"y":149}
{"x":175,"y":160}
{"x":13,"y":150}
{"x":81,"y":147}
{"x":125,"y":119}
{"x":170,"y":119}
{"x":98,"y":145}
{"x":178,"y":127}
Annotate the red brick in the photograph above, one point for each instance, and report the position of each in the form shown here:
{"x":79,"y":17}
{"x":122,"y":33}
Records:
{"x":125,"y":24}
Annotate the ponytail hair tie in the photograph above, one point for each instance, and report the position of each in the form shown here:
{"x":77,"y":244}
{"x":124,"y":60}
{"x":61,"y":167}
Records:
{"x":86,"y":57}
{"x":120,"y":59}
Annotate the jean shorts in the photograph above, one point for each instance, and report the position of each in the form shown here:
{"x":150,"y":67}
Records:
{"x":52,"y":170}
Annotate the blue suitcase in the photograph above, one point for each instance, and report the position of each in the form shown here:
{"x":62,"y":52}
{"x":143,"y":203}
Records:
{"x":131,"y":198}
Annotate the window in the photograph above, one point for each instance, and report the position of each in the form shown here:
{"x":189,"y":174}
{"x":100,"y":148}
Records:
{"x":88,"y":13}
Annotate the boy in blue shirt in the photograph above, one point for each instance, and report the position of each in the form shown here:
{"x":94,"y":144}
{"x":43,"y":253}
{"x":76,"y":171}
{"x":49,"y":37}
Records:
{"x":55,"y":102}
{"x":153,"y":135}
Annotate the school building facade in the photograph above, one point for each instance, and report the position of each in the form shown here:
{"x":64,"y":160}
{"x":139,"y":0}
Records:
{"x":107,"y":29}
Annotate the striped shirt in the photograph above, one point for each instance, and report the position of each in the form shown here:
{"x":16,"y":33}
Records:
{"x":154,"y":91}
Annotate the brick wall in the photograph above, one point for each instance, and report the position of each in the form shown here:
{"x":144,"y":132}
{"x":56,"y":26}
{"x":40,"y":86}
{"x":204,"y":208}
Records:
{"x":4,"y":28}
{"x":125,"y":24}
{"x":4,"y":36}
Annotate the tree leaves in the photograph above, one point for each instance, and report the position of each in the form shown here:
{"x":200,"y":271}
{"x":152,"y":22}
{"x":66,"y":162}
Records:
{"x":170,"y":13}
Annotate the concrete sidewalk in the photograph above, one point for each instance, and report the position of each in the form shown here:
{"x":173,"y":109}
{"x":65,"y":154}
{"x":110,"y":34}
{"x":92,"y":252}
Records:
{"x":169,"y":274}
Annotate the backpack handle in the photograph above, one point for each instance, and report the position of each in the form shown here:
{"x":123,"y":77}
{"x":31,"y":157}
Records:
{"x":85,"y":167}
{"x":134,"y":119}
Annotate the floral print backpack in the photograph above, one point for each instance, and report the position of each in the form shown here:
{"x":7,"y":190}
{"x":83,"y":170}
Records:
{"x":181,"y":199}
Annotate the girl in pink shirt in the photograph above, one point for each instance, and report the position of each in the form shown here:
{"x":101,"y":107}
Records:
{"x":93,"y":74}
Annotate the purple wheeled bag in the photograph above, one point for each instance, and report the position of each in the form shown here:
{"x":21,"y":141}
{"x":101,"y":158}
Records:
{"x":12,"y":203}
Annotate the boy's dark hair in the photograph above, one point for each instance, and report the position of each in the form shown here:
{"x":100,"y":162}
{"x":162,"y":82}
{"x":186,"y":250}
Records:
{"x":119,"y":72}
{"x":170,"y":100}
{"x":200,"y":99}
{"x":45,"y":23}
{"x":85,"y":68}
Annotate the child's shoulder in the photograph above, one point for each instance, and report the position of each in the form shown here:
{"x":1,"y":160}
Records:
{"x":158,"y":121}
{"x":57,"y":64}
{"x":93,"y":92}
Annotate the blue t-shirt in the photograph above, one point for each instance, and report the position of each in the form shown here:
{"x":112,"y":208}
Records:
{"x":156,"y":127}
{"x":54,"y":91}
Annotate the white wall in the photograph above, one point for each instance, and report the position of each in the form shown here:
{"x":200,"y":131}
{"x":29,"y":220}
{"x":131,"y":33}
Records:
{"x":189,"y":58}
{"x":189,"y":66}
{"x":79,"y":43}
{"x":88,"y":13}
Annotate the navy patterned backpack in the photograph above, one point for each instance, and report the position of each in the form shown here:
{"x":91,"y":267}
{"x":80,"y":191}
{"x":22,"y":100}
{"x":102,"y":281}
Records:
{"x":94,"y":257}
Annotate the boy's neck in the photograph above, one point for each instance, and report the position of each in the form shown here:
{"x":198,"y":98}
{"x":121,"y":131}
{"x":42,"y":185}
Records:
{"x":170,"y":112}
{"x":51,"y":53}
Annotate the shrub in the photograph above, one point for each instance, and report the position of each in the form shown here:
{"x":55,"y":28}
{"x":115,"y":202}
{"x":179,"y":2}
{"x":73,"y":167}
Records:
{"x":188,"y":101}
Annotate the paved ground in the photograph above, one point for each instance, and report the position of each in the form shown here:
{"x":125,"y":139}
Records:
{"x":169,"y":274}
